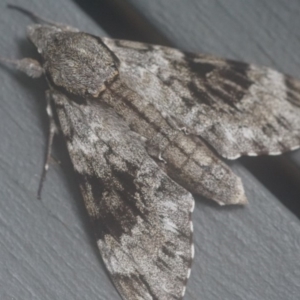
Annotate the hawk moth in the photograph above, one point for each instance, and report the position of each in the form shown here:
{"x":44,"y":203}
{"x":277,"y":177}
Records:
{"x":134,"y":116}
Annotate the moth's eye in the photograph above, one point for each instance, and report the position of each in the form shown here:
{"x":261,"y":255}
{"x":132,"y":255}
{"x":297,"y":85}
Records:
{"x":55,"y":40}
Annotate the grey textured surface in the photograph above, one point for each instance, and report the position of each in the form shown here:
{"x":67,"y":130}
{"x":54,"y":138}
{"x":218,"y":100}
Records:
{"x":46,"y":249}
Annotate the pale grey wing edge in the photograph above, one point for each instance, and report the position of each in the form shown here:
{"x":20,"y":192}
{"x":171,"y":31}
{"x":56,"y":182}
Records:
{"x":239,"y":109}
{"x":141,"y":218}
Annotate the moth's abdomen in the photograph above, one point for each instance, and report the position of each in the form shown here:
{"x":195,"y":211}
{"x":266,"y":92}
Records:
{"x":193,"y":165}
{"x":187,"y":159}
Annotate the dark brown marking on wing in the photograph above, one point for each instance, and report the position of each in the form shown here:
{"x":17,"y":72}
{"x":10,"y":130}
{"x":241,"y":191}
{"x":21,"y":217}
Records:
{"x":201,"y":96}
{"x":162,"y":264}
{"x":200,"y":69}
{"x":220,"y":95}
{"x":119,"y":187}
{"x":167,"y":252}
{"x":283,"y":122}
{"x":269,"y":130}
{"x":145,"y":283}
{"x":227,"y":83}
{"x":189,"y":103}
{"x":293,"y":90}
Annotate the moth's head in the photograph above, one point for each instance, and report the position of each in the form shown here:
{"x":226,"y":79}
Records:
{"x":77,"y":62}
{"x":41,"y":34}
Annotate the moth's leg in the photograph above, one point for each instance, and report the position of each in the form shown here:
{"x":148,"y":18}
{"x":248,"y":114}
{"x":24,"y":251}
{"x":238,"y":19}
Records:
{"x":51,"y":133}
{"x":29,"y":66}
{"x":175,"y":123}
{"x":155,"y":149}
{"x":161,"y":158}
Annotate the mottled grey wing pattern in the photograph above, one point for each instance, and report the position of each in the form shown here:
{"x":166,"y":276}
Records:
{"x":239,"y":109}
{"x":141,"y":218}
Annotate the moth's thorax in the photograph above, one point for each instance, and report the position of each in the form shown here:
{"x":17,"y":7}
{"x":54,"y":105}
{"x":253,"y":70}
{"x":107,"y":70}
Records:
{"x":74,"y":61}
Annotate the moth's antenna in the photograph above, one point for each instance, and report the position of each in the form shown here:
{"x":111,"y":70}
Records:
{"x":38,"y":19}
{"x":29,"y":13}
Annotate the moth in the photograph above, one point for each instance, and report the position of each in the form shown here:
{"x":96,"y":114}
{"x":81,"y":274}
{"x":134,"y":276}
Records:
{"x":146,"y":127}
